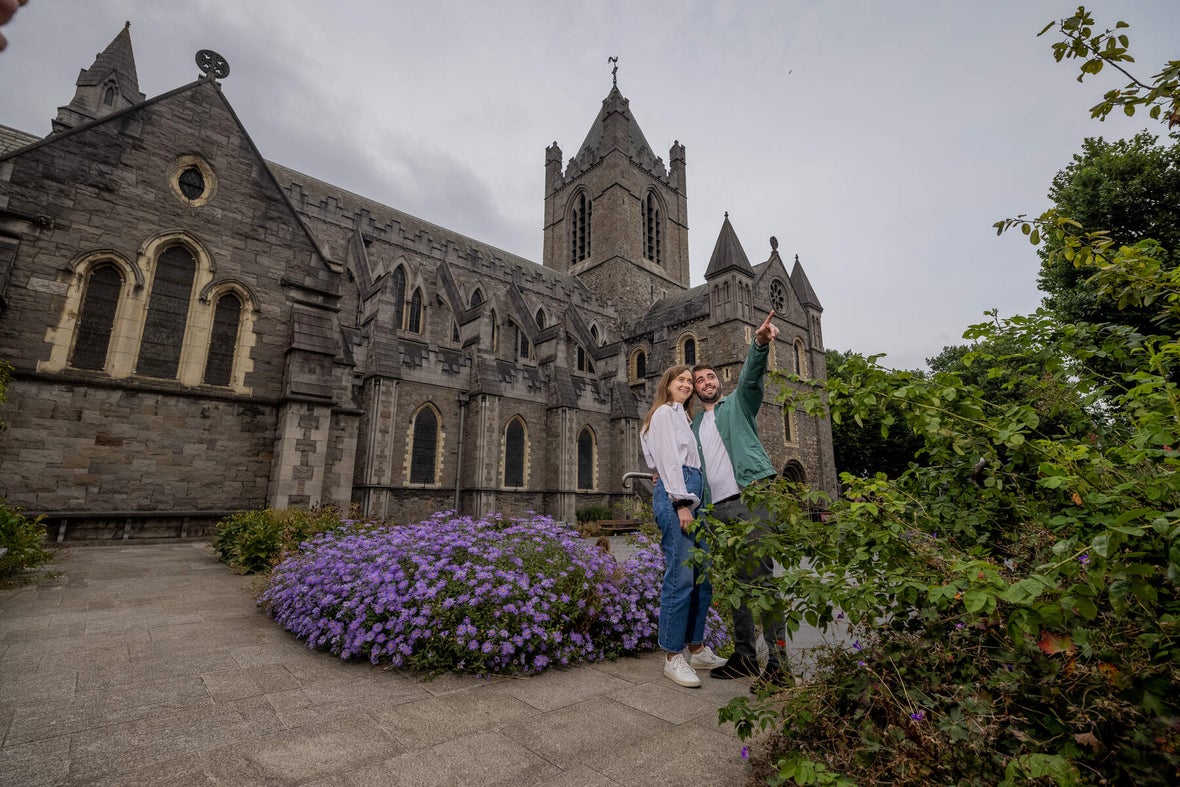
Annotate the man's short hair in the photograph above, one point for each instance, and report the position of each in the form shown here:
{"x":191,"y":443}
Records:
{"x":700,"y":367}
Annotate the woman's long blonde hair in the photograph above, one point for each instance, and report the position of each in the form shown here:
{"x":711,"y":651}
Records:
{"x":662,"y":397}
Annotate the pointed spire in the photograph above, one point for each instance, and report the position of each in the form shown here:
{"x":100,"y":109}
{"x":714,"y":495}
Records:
{"x":803,"y":289}
{"x":616,"y":127}
{"x":728,"y":254}
{"x":109,"y":85}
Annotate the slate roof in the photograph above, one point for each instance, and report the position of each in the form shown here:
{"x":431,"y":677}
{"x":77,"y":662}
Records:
{"x":614,"y":102}
{"x":802,"y":286}
{"x":674,"y":310}
{"x":623,"y":402}
{"x":12,"y":139}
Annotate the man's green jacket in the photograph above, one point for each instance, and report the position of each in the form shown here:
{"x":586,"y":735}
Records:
{"x":737,"y":421}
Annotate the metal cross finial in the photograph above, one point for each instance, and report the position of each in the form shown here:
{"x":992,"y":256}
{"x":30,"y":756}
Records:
{"x":212,"y":64}
{"x":614,"y":72}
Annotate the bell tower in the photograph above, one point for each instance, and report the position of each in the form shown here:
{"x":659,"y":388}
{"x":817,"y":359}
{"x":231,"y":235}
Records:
{"x":617,"y":216}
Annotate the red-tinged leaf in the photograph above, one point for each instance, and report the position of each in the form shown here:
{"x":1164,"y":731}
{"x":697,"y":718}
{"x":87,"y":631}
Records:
{"x":1052,"y":644}
{"x":1076,"y":498}
{"x":1087,"y":739}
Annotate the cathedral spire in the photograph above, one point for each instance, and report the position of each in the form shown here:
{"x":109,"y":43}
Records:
{"x":616,"y":128}
{"x":728,"y":254}
{"x":109,"y":85}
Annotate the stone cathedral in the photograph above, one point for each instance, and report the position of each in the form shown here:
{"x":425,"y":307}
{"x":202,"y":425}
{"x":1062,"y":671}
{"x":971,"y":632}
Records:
{"x":195,"y":330}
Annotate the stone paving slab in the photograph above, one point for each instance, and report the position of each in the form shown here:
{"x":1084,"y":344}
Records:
{"x":151,"y":665}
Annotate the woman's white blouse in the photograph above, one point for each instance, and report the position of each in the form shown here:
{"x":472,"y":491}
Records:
{"x":668,"y":445}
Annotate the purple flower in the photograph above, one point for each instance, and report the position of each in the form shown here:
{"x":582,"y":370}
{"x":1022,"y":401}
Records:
{"x":860,"y":664}
{"x":1084,"y":558}
{"x":856,"y":646}
{"x":745,"y":752}
{"x":478,"y":595}
{"x":918,"y":716}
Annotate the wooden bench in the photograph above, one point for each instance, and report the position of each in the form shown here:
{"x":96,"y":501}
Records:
{"x":613,"y":526}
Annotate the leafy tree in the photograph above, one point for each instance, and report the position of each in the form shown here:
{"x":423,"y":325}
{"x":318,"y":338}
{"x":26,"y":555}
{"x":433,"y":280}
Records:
{"x":1006,"y":373}
{"x":867,"y":443}
{"x":1131,"y":189}
{"x":1017,"y":595}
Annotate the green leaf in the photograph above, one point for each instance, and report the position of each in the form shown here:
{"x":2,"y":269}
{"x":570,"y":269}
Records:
{"x":975,"y":600}
{"x":1085,"y":607}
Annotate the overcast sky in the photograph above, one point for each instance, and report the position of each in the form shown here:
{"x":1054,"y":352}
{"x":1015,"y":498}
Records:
{"x":879,"y":141}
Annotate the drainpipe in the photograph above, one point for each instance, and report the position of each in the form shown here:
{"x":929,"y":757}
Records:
{"x":459,"y":455}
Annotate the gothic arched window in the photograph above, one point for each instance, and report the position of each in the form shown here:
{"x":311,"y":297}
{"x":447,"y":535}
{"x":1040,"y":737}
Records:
{"x":223,"y":340}
{"x":638,"y":365}
{"x":476,"y":297}
{"x":520,"y":341}
{"x":514,"y":451}
{"x":167,"y":313}
{"x":424,"y":446}
{"x":580,"y":228}
{"x":97,"y":317}
{"x":582,"y":360}
{"x":399,"y":298}
{"x":653,"y":231}
{"x":794,"y":472}
{"x":586,"y":458}
{"x":688,"y":350}
{"x":414,"y":323}
{"x":540,"y":319}
{"x":800,"y":358}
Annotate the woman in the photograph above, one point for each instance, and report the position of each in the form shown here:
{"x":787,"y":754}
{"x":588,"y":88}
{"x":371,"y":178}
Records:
{"x":671,"y":450}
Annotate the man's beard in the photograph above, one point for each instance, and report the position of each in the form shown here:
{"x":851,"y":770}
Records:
{"x":710,"y":399}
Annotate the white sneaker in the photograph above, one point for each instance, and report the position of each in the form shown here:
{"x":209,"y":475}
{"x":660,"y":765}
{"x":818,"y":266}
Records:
{"x":678,"y":671}
{"x":705,"y":658}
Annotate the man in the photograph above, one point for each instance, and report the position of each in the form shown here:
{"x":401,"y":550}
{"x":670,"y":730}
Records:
{"x":733,"y":458}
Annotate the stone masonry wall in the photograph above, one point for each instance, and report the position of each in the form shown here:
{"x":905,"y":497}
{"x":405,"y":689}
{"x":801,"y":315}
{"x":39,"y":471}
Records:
{"x":78,"y":447}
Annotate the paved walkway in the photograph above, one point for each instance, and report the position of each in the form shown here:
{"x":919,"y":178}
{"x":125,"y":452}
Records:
{"x":150,"y":665}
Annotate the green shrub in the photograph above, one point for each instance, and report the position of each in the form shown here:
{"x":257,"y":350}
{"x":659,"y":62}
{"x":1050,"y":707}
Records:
{"x":254,"y":541}
{"x":24,"y":538}
{"x":641,"y":510}
{"x":594,"y":513}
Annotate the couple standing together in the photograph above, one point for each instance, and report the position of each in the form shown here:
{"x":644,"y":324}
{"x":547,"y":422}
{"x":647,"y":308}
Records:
{"x":703,"y":459}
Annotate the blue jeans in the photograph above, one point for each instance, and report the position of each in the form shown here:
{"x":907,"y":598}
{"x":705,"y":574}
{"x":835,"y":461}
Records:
{"x":686,"y":592}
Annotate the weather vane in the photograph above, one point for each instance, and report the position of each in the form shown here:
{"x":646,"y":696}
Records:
{"x":614,"y":72}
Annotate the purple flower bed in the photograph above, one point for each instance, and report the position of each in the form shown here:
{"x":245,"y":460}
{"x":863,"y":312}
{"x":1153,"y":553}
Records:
{"x":488,"y":595}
